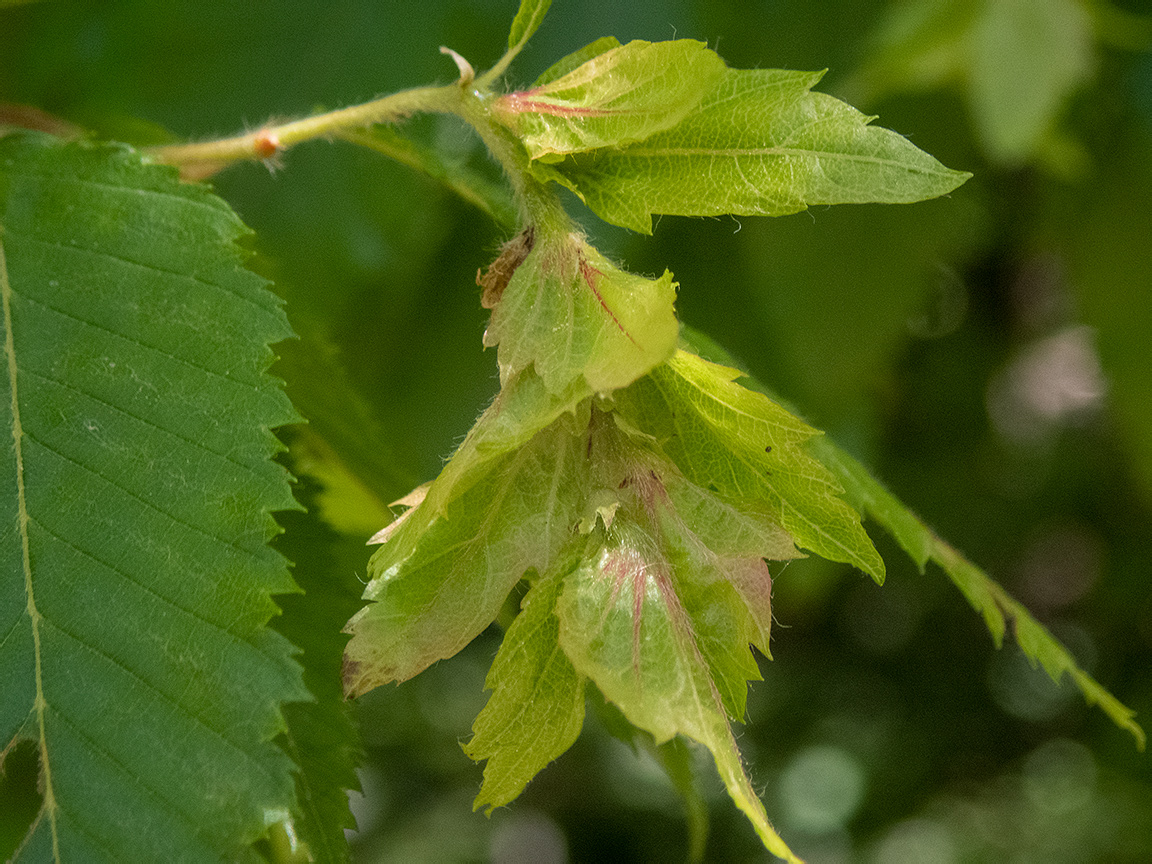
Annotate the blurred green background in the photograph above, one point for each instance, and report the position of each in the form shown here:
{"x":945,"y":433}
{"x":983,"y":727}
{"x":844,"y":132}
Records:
{"x":987,"y":354}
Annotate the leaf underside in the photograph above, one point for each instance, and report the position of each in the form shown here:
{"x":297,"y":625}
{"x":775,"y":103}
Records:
{"x":136,"y":507}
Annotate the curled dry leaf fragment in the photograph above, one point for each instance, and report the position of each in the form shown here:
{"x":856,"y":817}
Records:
{"x":512,"y":254}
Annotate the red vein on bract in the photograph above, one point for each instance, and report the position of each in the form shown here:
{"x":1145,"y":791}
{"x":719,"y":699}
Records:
{"x":514,"y":103}
{"x":590,"y":273}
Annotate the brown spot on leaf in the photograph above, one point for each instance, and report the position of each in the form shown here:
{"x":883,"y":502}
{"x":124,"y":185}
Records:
{"x":350,"y":674}
{"x":499,"y":273}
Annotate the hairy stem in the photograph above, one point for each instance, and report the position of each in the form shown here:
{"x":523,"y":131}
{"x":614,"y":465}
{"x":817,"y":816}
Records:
{"x":272,"y":139}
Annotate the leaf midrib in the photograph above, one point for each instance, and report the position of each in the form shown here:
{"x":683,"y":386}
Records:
{"x":25,"y":555}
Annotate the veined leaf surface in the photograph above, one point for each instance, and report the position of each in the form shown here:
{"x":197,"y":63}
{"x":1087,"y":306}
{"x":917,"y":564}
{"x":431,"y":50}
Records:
{"x":652,"y":615}
{"x":442,"y":576}
{"x":740,"y":442}
{"x":134,"y":595}
{"x":759,"y":143}
{"x":573,"y":316}
{"x":619,"y":96}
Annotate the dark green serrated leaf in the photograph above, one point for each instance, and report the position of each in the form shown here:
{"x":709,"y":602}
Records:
{"x":536,"y":709}
{"x":622,"y":95}
{"x":321,"y":736}
{"x":724,"y":436}
{"x":528,"y":19}
{"x":759,"y":143}
{"x":136,"y":510}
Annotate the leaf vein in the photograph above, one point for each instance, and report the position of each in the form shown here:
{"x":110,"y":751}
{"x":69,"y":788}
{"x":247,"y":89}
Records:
{"x":183,"y":710}
{"x":149,"y":504}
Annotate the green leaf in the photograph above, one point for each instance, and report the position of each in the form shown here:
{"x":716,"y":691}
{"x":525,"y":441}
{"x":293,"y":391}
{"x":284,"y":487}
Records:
{"x":537,"y":704}
{"x":994,"y":603}
{"x":571,"y":314}
{"x":619,"y":96}
{"x":136,"y":508}
{"x":759,"y":143}
{"x":445,"y":570}
{"x":577,"y":58}
{"x":663,"y":638}
{"x":321,"y":736}
{"x":735,"y":440}
{"x":528,"y":19}
{"x":996,"y":606}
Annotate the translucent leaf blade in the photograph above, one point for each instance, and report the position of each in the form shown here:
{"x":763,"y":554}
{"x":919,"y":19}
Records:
{"x":622,"y":625}
{"x":441,"y":578}
{"x":759,"y":143}
{"x":136,"y":507}
{"x":572,"y":316}
{"x":616,"y":97}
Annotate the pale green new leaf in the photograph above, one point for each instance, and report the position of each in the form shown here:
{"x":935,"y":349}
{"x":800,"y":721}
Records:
{"x":577,"y":58}
{"x":528,"y":19}
{"x":619,"y":96}
{"x":136,"y":579}
{"x":738,"y":441}
{"x":759,"y":143}
{"x":573,"y":316}
{"x":537,"y":704}
{"x":441,"y":577}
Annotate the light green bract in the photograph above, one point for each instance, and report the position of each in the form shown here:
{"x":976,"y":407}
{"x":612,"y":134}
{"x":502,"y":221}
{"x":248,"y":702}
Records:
{"x":759,"y":143}
{"x":619,"y":96}
{"x":724,"y":436}
{"x":571,"y":314}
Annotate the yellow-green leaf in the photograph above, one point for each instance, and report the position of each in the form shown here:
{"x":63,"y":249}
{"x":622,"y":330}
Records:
{"x":759,"y":143}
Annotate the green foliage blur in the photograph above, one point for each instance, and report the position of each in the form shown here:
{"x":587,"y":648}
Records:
{"x":986,"y":354}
